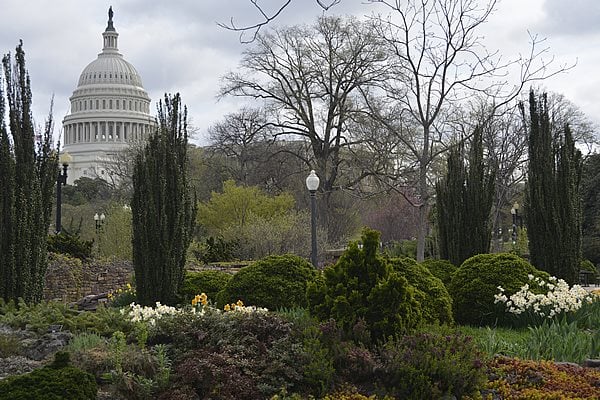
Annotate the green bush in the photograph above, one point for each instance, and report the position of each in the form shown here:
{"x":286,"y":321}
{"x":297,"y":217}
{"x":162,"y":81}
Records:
{"x":475,"y":283}
{"x":273,"y":282}
{"x":66,"y":243}
{"x":430,"y":366}
{"x":57,"y":381}
{"x":362,"y":288}
{"x":430,"y":292}
{"x":38,"y":317}
{"x":209,"y":282}
{"x":587,"y":265}
{"x":442,"y":269}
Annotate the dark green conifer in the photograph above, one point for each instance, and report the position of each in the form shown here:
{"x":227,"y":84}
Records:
{"x":464,"y":202}
{"x":552,"y":199}
{"x":28,"y":177}
{"x":162,"y":207}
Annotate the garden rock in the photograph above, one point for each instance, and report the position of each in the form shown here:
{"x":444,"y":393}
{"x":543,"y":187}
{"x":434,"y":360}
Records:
{"x":90,"y":302}
{"x":591,"y":363}
{"x":49,"y":343}
{"x":17,"y":365}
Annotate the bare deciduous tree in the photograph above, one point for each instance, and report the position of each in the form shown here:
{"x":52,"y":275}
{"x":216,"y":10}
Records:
{"x":241,"y":136}
{"x":438,"y":61}
{"x":309,"y":78}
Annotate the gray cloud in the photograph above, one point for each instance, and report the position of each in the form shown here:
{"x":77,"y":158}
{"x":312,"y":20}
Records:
{"x":572,"y":17}
{"x":178,"y":47}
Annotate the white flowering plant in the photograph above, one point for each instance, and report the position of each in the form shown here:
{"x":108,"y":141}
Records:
{"x":199,"y":306}
{"x":139,"y":313}
{"x":532,"y":309}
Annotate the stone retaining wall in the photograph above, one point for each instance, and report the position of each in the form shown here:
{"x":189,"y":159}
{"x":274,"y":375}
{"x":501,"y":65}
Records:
{"x":68,"y":279}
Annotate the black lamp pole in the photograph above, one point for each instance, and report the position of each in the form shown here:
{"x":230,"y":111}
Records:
{"x":312,"y":184}
{"x":313,"y":227}
{"x":60,"y":181}
{"x":515,"y":217}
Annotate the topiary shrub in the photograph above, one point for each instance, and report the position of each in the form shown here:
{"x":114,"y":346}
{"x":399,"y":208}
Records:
{"x":442,"y":269}
{"x":436,"y":303}
{"x":362,"y":288}
{"x":209,"y":282}
{"x":475,"y":283}
{"x":57,"y":381}
{"x":273,"y":282}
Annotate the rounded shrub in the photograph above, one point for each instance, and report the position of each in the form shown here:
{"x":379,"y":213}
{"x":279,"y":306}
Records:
{"x":54,"y":382}
{"x":430,"y":291}
{"x":442,"y":269}
{"x":273,"y":282}
{"x":475,"y":283}
{"x":210,"y":282}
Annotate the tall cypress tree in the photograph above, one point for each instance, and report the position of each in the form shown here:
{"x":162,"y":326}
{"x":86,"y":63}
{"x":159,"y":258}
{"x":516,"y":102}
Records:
{"x":552,"y":199}
{"x":29,"y":175}
{"x":464,"y":202}
{"x":162,"y":207}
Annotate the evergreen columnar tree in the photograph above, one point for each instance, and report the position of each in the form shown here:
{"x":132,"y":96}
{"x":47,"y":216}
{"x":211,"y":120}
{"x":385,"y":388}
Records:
{"x":464,"y":199}
{"x":163,"y":210}
{"x":28,"y":176}
{"x":552,"y":199}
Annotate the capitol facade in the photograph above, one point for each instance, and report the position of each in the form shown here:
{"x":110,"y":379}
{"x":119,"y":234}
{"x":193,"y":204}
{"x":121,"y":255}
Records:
{"x":109,"y":111}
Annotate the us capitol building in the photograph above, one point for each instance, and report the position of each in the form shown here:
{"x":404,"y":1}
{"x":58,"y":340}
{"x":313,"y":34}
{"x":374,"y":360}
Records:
{"x":109,"y":110}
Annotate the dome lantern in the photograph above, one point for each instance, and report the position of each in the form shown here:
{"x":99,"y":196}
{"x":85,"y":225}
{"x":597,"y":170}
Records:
{"x":110,"y":35}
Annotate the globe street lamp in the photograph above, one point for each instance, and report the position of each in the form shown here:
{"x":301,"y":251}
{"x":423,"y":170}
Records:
{"x":312,"y":184}
{"x":61,"y":180}
{"x":515,"y":217}
{"x":99,"y":219}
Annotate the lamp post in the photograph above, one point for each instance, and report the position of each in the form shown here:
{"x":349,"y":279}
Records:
{"x":312,"y":184}
{"x":515,"y":217}
{"x":61,"y":180}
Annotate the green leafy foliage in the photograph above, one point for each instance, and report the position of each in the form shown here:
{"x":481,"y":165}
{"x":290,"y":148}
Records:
{"x":442,"y":269}
{"x":73,"y":245}
{"x":55,"y":382}
{"x":162,"y":207}
{"x":430,"y":292}
{"x":28,"y":180}
{"x":475,"y":283}
{"x":236,"y":204}
{"x":273,"y":282}
{"x":114,"y":237}
{"x":209,"y":282}
{"x":562,"y":341}
{"x":361,"y":286}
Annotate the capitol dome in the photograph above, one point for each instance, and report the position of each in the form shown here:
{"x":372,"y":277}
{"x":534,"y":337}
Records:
{"x":110,"y":109}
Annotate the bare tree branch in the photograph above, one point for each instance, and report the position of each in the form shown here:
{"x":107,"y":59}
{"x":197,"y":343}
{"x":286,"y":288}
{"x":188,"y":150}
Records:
{"x":266,"y":18}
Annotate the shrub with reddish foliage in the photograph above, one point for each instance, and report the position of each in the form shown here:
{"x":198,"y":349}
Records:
{"x":511,"y":378}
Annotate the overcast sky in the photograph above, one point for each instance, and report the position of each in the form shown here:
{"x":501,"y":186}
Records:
{"x":178,"y":47}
